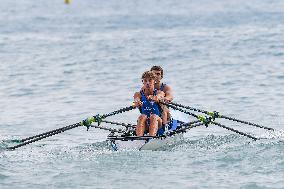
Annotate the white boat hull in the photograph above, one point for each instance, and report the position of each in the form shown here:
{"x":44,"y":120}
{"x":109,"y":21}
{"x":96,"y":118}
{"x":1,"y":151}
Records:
{"x":152,"y":144}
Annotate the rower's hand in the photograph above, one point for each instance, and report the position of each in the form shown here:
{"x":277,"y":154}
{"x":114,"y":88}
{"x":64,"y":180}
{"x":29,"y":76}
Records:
{"x":137,"y":103}
{"x":153,"y":98}
{"x":165,"y":100}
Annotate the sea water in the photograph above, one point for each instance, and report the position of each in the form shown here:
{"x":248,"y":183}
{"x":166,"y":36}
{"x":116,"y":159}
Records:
{"x":62,"y":63}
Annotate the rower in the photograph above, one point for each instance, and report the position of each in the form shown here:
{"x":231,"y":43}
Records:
{"x":158,"y":71}
{"x":147,"y":99}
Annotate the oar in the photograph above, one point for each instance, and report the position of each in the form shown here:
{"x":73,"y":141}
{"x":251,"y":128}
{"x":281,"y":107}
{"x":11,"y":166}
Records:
{"x":42,"y":134}
{"x":96,"y":118}
{"x":208,"y":120}
{"x":108,"y":129}
{"x":42,"y":137}
{"x":127,"y":125}
{"x":218,"y":115}
{"x":185,"y":127}
{"x":66,"y":127}
{"x":236,"y":131}
{"x":179,"y":109}
{"x":125,"y":138}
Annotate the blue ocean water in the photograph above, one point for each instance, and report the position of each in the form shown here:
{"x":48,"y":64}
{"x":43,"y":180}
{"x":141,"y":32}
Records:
{"x":62,"y":63}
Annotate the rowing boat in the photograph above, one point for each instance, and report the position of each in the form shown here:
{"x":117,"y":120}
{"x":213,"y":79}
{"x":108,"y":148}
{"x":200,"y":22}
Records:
{"x":132,"y":142}
{"x":123,"y":139}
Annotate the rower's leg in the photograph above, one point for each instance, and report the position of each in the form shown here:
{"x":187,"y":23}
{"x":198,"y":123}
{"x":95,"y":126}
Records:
{"x":141,"y":124}
{"x":165,"y":115}
{"x":155,"y":124}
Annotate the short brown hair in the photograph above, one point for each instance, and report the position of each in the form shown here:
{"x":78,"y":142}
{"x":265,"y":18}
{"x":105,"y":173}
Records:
{"x":148,"y":74}
{"x":158,"y":68}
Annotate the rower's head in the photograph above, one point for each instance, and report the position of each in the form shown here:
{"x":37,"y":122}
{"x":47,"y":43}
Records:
{"x":148,"y":79}
{"x":158,"y":71}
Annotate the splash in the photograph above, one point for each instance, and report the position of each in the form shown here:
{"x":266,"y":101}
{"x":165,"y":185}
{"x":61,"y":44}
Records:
{"x":278,"y":134}
{"x":6,"y":142}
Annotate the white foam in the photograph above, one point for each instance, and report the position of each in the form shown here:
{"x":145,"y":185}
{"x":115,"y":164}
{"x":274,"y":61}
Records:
{"x":272,"y":134}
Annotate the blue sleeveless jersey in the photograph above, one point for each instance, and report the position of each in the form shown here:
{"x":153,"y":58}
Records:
{"x":161,"y":89}
{"x":149,"y":107}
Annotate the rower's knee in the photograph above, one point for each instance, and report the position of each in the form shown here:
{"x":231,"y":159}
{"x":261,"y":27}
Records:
{"x":142,"y":117}
{"x":154,"y":117}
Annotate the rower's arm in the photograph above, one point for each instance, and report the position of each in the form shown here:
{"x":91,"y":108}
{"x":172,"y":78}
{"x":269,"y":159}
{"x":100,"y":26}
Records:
{"x":137,"y":97}
{"x":168,"y":93}
{"x":160,"y":95}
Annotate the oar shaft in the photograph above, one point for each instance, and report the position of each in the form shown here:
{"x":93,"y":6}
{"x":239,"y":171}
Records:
{"x":187,"y":126}
{"x":236,"y":131}
{"x":118,"y":111}
{"x":108,"y":129}
{"x":62,"y":129}
{"x":42,"y":137}
{"x":191,"y":126}
{"x":179,"y":109}
{"x":125,"y":138}
{"x":46,"y":133}
{"x":246,"y":122}
{"x":190,"y":123}
{"x":117,"y":123}
{"x":189,"y":108}
{"x":222,"y":116}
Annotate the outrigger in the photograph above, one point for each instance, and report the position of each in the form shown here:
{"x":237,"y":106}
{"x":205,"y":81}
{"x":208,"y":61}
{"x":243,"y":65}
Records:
{"x":120,"y":139}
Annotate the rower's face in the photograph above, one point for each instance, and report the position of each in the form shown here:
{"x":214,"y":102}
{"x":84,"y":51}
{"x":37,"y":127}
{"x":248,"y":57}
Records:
{"x":148,"y":83}
{"x":158,"y":75}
